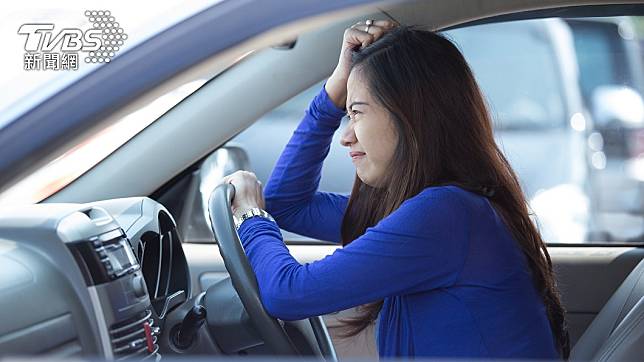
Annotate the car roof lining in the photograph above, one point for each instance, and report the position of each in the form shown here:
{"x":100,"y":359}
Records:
{"x":219,"y":109}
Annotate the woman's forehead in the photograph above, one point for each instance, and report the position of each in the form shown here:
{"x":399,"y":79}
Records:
{"x":357,"y":90}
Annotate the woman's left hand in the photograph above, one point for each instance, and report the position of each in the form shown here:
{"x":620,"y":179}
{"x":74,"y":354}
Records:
{"x":248,"y":191}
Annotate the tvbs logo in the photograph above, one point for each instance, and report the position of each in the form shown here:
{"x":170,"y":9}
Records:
{"x":100,"y":43}
{"x":39,"y":38}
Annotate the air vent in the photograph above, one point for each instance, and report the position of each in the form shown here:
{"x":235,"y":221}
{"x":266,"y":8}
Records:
{"x":135,"y":338}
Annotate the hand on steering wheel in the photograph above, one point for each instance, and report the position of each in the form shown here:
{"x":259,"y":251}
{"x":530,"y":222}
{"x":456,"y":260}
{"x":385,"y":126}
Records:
{"x":248,"y":191}
{"x":244,"y":281}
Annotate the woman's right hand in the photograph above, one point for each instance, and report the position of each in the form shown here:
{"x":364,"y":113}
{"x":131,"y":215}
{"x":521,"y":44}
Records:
{"x":357,"y":37}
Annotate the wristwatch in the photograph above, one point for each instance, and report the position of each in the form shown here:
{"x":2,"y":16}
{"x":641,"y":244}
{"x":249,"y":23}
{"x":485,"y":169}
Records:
{"x":255,"y":211}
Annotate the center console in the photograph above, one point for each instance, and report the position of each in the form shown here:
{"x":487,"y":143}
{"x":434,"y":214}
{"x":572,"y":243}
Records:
{"x":114,"y":279}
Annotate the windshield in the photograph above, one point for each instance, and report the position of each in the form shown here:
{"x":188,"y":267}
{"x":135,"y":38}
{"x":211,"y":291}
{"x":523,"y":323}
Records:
{"x":21,"y":88}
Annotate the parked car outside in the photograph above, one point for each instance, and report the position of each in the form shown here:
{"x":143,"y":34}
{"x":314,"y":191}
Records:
{"x":611,"y":81}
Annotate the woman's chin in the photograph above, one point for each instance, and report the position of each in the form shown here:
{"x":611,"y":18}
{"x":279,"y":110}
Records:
{"x":366,"y":180}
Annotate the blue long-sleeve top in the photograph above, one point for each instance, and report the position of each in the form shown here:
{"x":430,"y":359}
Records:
{"x":453,"y":280}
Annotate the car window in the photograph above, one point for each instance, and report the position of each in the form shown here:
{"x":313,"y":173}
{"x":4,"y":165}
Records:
{"x":598,"y":46}
{"x":21,"y":89}
{"x":535,"y":99}
{"x":82,"y":157}
{"x":565,"y":98}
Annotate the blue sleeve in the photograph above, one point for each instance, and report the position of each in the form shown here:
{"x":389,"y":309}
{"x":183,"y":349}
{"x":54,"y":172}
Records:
{"x":420,"y":246}
{"x":291,"y":192}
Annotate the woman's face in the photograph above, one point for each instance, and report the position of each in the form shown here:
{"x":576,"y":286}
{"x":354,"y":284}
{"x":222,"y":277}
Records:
{"x":370,"y":135}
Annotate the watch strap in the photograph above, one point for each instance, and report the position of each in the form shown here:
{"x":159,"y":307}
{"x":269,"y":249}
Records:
{"x":253,"y":212}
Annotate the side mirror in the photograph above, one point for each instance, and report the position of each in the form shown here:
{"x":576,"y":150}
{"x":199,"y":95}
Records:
{"x":617,"y":106}
{"x":194,"y":223}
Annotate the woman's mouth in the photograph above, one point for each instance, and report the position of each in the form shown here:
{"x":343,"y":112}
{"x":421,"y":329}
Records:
{"x":356,"y":155}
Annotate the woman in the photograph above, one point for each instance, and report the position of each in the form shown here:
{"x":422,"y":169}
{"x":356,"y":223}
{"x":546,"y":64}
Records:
{"x":437,"y":241}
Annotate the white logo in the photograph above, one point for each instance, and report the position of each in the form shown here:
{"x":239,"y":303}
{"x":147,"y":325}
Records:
{"x":99,"y":43}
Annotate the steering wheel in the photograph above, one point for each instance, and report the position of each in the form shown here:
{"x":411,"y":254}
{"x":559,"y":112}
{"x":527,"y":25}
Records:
{"x":243,"y":278}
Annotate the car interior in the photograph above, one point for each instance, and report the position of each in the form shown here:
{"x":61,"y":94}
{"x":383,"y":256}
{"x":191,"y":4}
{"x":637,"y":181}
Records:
{"x":133,"y":257}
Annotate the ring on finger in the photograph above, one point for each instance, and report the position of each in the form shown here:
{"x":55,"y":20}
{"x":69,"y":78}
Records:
{"x":369,"y":22}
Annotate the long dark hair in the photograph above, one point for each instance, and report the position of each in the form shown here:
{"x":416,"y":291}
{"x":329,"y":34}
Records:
{"x":445,"y":137}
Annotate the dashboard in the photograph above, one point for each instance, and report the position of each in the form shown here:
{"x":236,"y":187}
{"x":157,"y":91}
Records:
{"x":95,"y":279}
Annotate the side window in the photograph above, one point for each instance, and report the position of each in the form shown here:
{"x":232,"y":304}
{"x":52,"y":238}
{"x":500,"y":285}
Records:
{"x":524,"y":54}
{"x":565,"y":96}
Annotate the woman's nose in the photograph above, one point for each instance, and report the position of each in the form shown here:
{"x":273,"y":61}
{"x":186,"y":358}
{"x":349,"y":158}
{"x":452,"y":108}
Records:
{"x":348,"y":135}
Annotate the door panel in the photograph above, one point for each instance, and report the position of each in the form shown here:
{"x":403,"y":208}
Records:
{"x":587,"y":277}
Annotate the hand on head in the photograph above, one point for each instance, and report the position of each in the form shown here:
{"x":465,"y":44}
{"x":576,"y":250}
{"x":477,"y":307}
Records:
{"x":356,"y":37}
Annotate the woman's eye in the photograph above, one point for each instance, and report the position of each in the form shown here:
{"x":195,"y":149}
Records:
{"x":351,"y":114}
